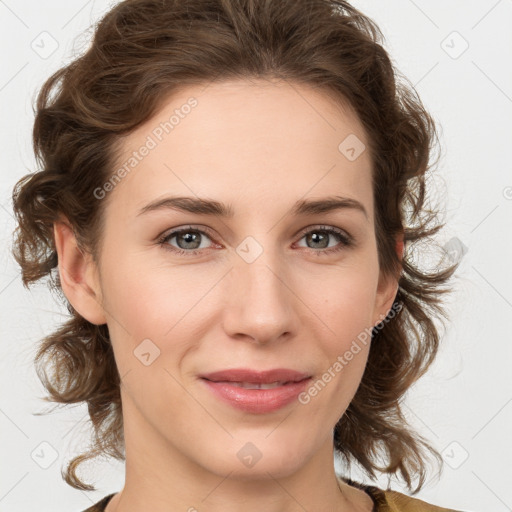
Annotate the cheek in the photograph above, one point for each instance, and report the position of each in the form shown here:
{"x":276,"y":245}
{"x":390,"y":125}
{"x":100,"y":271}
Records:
{"x":345,"y":303}
{"x":162,"y":304}
{"x":343,"y":350}
{"x":149,"y":297}
{"x":345,"y":308}
{"x":148,"y":303}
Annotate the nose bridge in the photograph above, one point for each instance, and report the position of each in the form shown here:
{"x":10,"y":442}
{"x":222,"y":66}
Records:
{"x":260,"y":303}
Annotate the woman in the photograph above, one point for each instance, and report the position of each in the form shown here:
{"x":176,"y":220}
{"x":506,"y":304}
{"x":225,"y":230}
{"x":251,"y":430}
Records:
{"x":230,"y":198}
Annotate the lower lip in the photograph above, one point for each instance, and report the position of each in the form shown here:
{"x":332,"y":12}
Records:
{"x":257,"y":400}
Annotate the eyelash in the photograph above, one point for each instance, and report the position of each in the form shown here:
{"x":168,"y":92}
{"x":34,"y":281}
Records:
{"x":345,"y":239}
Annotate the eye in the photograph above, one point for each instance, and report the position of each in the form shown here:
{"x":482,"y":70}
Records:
{"x":319,"y":238}
{"x":188,"y":240}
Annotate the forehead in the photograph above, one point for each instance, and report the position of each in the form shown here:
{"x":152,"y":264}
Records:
{"x":239,"y":139}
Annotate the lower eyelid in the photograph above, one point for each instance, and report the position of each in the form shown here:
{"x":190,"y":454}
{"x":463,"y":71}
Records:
{"x":345,"y":239}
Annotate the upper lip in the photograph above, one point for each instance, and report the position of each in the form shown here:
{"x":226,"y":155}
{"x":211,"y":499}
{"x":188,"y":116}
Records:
{"x":254,"y":376}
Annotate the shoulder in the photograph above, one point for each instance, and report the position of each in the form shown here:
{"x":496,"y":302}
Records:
{"x":100,"y":505}
{"x":394,"y":501}
{"x":385,"y":501}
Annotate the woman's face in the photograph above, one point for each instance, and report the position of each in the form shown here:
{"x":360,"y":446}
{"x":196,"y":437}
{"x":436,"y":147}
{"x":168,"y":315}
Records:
{"x":272,"y":286}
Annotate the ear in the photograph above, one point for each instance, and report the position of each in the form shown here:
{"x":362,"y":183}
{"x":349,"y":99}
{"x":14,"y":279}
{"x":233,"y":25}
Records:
{"x":78,"y":274}
{"x":388,"y":286}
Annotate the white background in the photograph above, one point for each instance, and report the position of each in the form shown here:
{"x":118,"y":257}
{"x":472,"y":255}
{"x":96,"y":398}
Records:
{"x":464,"y":405}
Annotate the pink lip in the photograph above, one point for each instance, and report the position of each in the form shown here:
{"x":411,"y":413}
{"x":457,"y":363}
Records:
{"x":256,"y":400}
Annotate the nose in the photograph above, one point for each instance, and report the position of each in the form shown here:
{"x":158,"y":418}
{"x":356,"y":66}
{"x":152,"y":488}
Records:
{"x":261,"y":305}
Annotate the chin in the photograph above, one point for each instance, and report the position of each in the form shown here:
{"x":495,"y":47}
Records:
{"x":258,"y":459}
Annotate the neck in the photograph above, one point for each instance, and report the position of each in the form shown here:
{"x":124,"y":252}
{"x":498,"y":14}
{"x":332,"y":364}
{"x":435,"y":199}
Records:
{"x":159,"y":477}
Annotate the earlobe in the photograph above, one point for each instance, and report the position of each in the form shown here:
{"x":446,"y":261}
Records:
{"x":400,"y":246}
{"x":388,"y":288}
{"x":388,"y":285}
{"x":78,"y":276}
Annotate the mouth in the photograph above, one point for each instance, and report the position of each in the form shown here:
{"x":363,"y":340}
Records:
{"x":277,"y":376}
{"x":256,"y":385}
{"x":256,"y":391}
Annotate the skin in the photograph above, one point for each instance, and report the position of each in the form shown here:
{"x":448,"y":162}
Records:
{"x":259,"y":146}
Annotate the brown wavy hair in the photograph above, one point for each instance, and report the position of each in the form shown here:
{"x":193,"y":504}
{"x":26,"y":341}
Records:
{"x":144,"y":50}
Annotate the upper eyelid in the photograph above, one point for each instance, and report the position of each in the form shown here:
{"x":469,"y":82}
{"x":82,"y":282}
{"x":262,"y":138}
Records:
{"x":207,"y":231}
{"x":176,"y":231}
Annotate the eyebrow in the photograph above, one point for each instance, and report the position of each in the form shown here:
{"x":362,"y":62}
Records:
{"x":215,"y":208}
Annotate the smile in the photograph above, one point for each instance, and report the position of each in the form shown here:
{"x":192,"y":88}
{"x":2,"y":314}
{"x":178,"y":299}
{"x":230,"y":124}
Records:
{"x":258,"y":385}
{"x":256,"y":391}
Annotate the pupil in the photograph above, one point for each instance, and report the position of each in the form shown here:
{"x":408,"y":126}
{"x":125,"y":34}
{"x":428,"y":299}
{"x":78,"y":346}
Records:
{"x":318,"y":238}
{"x":189,"y":238}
